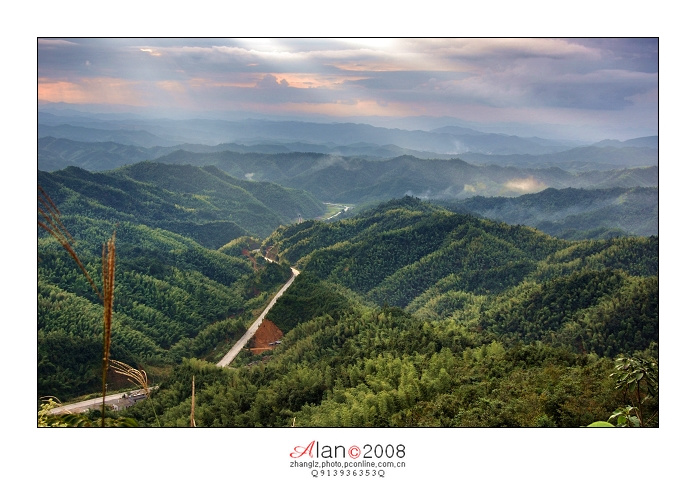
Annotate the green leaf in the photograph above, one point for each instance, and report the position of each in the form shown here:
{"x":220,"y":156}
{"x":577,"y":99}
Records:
{"x":600,"y":424}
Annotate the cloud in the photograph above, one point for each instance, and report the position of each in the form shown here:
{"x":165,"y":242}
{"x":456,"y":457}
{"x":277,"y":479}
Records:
{"x":90,"y":90}
{"x":271,"y":82}
{"x":549,"y":80}
{"x":524,"y":185}
{"x":43,"y":43}
{"x":151,"y":52}
{"x":601,"y":90}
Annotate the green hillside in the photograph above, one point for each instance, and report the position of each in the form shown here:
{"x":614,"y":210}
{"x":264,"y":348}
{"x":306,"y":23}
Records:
{"x":173,"y":299}
{"x":405,"y":315}
{"x":342,"y":364}
{"x":527,"y":286}
{"x":356,"y":179}
{"x":202,"y":203}
{"x":500,"y":326}
{"x":573,"y":213}
{"x":176,"y":296}
{"x":395,"y":252}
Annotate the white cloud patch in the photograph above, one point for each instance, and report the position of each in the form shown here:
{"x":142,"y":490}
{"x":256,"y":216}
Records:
{"x":524,"y":185}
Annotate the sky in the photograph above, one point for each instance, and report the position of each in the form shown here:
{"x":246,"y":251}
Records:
{"x":571,"y":88}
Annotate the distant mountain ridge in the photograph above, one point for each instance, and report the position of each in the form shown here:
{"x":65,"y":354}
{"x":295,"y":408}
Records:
{"x":358,"y":163}
{"x":212,"y":132}
{"x":449,"y":139}
{"x":141,"y":138}
{"x":105,"y":150}
{"x":355,"y":180}
{"x":57,"y":153}
{"x":577,"y":159}
{"x":651,"y":141}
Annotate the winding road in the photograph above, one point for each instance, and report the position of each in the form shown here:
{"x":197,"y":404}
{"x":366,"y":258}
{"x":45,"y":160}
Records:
{"x":117,"y":399}
{"x":227,"y":359}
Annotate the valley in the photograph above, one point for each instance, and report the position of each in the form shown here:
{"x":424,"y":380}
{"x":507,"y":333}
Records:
{"x":481,"y":290}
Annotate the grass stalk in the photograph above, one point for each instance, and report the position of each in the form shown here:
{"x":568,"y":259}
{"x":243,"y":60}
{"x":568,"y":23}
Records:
{"x":137,"y":377}
{"x":55,"y":227}
{"x":193,"y":401}
{"x":51,"y":222}
{"x":108,"y":276}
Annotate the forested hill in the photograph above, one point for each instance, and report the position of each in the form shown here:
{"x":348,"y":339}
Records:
{"x":186,"y":278}
{"x":356,"y":180}
{"x":494,"y":325}
{"x":174,"y":298}
{"x":436,"y":263}
{"x":203,"y":203}
{"x":573,"y":213}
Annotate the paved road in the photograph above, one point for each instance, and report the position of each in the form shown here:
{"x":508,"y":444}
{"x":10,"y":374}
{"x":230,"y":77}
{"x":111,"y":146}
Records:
{"x":227,"y":359}
{"x":111,"y":400}
{"x":345,"y":209}
{"x":117,"y":399}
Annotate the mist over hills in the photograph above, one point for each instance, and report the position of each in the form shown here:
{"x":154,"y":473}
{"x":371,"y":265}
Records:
{"x":58,"y":152}
{"x":358,"y":163}
{"x":212,"y":132}
{"x":573,"y":213}
{"x":349,"y":162}
{"x":354,"y":179}
{"x":334,"y":137}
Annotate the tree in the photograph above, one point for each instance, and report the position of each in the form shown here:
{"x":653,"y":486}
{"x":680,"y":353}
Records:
{"x":637,"y":378}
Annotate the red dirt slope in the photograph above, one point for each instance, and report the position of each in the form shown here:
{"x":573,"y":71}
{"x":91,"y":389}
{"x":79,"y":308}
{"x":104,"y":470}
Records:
{"x":266,"y":334}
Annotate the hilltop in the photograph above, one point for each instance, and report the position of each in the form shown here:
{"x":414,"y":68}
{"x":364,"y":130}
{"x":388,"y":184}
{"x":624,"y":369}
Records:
{"x":411,"y":315}
{"x":202,"y":203}
{"x":573,"y":213}
{"x":177,"y":294}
